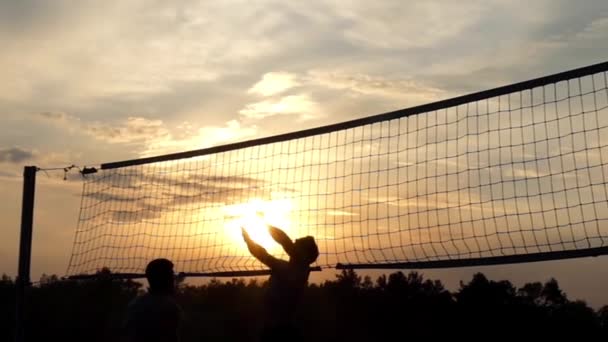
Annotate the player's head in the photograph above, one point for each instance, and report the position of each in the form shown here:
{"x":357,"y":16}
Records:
{"x":306,"y":250}
{"x":160,"y":276}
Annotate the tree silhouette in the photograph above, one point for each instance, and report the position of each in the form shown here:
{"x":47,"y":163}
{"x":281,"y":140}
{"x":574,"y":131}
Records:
{"x":348,"y":308}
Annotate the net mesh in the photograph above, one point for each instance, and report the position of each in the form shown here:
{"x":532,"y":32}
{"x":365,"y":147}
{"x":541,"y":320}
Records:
{"x":512,"y":174}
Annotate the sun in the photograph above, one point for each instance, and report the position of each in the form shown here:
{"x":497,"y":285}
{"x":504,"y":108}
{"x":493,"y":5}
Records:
{"x":255,"y":216}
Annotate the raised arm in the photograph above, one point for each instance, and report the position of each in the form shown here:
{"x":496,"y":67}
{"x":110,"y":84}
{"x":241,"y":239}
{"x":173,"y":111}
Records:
{"x":283,"y":239}
{"x":258,"y":251}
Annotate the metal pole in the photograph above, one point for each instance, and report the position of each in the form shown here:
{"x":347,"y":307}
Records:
{"x":25,"y":250}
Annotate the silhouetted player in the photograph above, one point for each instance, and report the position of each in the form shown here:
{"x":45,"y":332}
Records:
{"x":288,"y":279}
{"x":155,"y":316}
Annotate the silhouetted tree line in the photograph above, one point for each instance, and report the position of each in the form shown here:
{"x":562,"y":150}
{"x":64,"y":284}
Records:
{"x":350,"y":308}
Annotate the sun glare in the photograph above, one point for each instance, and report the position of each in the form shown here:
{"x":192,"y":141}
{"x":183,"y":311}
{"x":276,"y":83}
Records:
{"x":255,"y":216}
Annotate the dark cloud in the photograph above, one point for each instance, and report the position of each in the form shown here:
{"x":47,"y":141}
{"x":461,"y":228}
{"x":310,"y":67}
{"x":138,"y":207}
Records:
{"x":30,"y":15}
{"x":15,"y":155}
{"x":137,"y":196}
{"x":54,"y":115}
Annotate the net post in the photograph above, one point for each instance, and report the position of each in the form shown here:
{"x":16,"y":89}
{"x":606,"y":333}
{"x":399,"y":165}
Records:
{"x":25,"y":250}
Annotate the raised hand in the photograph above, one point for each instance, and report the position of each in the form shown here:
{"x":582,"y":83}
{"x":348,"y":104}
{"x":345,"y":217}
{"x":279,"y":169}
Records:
{"x":282,"y":238}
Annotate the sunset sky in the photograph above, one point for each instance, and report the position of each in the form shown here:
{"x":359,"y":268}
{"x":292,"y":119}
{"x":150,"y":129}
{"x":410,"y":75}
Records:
{"x":90,"y":82}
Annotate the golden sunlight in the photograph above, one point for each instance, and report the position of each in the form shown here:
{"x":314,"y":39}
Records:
{"x":255,"y":216}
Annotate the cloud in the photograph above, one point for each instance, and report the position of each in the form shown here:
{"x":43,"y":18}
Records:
{"x":191,"y":138}
{"x":133,"y":130}
{"x":57,"y":116}
{"x":61,"y":120}
{"x":302,"y":106}
{"x":340,"y":213}
{"x":138,"y":196}
{"x":393,"y":25}
{"x":15,"y":154}
{"x":147,"y":51}
{"x":318,"y":86}
{"x":273,"y":83}
{"x":373,"y":85}
{"x":528,"y":173}
{"x":153,"y":136}
{"x":596,"y":29}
